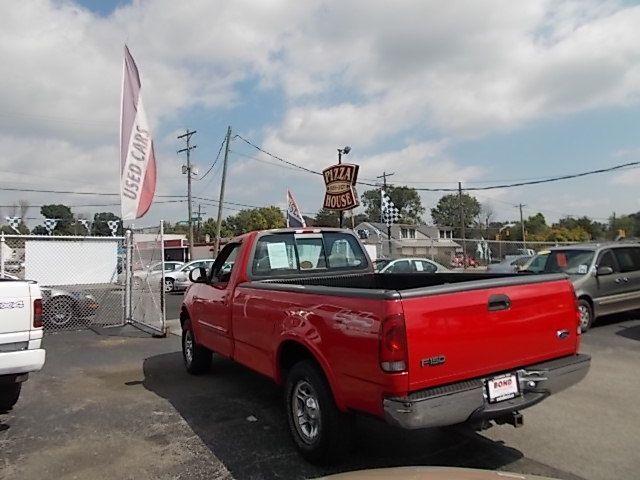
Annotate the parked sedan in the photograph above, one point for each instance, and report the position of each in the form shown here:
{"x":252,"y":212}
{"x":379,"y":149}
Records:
{"x":61,"y":307}
{"x":509,"y":265}
{"x":413,"y":265}
{"x":154,"y":272}
{"x":179,"y":279}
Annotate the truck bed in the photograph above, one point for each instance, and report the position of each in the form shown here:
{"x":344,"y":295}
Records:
{"x":401,"y":285}
{"x":466,"y":324}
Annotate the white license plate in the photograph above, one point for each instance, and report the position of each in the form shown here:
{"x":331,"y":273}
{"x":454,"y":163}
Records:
{"x":503,"y":387}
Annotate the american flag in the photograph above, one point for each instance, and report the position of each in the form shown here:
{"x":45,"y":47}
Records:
{"x":388,"y":211}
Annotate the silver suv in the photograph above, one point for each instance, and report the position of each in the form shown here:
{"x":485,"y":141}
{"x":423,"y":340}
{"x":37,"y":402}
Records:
{"x":606,"y":277}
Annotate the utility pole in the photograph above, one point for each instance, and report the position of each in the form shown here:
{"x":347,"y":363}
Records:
{"x":187,"y":170}
{"x":200,"y":213}
{"x":524,"y":238}
{"x":221,"y":201}
{"x":462,"y":227}
{"x":384,"y":183}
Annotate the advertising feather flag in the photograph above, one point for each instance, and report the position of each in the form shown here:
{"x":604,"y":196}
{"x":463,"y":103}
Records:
{"x":137,"y":158}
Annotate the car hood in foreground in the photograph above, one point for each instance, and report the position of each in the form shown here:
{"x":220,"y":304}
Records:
{"x":431,"y":473}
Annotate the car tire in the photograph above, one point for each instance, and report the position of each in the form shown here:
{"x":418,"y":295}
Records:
{"x":586,"y":314}
{"x":9,"y":394}
{"x":59,"y":312}
{"x":169,"y":285}
{"x":197,"y":359}
{"x":320,"y":432}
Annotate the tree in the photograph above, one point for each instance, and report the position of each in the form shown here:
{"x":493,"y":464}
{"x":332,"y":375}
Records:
{"x":100,"y":227}
{"x":406,"y":200}
{"x":596,"y":230}
{"x":22,"y":228}
{"x":327,"y":218}
{"x":563,"y":234}
{"x":536,"y":225}
{"x":447,"y":212}
{"x":253,"y":219}
{"x":623,"y":223}
{"x":486,"y":215}
{"x":64,"y":216}
{"x":39,"y":230}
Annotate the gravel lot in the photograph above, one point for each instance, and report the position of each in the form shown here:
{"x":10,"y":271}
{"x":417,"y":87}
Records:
{"x":117,"y":404}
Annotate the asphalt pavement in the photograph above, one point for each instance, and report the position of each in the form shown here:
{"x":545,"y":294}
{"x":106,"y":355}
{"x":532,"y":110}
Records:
{"x":118,"y":404}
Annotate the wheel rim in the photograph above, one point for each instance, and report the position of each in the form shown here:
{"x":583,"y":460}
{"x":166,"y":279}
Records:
{"x":188,"y":347}
{"x":585,"y":316}
{"x":60,"y":312}
{"x":168,"y":285}
{"x":306,"y":412}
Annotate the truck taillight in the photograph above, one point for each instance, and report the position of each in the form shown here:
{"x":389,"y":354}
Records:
{"x":393,"y":344}
{"x":37,"y":313}
{"x":576,"y":309}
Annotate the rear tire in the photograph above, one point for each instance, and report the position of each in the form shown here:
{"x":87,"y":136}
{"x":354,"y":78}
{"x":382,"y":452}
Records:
{"x":59,"y":312}
{"x":319,"y":430}
{"x":9,"y":395}
{"x":197,"y":359}
{"x":586,"y":315}
{"x":169,"y":285}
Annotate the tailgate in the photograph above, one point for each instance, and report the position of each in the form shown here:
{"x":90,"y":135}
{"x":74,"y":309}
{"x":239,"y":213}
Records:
{"x":479,"y":331}
{"x":15,"y":307}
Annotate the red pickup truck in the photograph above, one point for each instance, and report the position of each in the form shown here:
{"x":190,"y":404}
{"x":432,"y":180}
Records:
{"x":305,"y":308}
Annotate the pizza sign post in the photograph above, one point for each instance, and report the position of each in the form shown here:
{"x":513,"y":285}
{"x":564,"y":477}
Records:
{"x":340,"y":181}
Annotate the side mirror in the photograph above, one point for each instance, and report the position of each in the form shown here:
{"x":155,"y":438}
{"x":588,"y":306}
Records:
{"x":198,"y":275}
{"x":602,"y":271}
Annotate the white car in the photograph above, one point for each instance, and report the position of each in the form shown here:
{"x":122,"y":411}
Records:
{"x":153,"y":273}
{"x":20,"y":337}
{"x":413,"y":265}
{"x":179,"y":279}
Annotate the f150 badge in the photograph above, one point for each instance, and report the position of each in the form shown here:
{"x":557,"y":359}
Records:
{"x":433,"y":361}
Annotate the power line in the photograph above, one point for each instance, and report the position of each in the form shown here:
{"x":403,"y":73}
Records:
{"x":280,"y":159}
{"x":214,"y":162}
{"x":454,"y":189}
{"x":536,"y":182}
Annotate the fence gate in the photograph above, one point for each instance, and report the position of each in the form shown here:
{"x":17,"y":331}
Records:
{"x":145,"y":295}
{"x":82,"y":278}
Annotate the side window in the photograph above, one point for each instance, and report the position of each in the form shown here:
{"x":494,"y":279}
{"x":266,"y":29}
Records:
{"x":426,"y":267}
{"x":628,"y":259}
{"x":403,"y":266}
{"x":607,"y":260}
{"x":223,"y":266}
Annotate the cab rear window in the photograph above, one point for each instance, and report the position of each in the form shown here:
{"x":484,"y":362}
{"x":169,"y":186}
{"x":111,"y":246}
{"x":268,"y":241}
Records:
{"x":290,"y":253}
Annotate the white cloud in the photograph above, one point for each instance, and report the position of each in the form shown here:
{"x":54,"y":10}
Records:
{"x":358,"y":72}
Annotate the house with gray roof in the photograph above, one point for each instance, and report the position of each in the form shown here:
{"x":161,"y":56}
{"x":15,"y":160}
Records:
{"x":408,"y":240}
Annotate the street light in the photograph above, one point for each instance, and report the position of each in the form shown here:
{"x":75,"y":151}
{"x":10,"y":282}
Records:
{"x":346,"y":151}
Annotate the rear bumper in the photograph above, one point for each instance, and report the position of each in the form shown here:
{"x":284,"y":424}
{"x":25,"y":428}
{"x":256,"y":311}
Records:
{"x":467,"y":401}
{"x":23,"y":361}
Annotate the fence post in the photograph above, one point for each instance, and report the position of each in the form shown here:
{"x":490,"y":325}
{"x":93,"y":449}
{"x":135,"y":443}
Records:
{"x":127,"y":276}
{"x":162,"y":290}
{"x":2,"y":247}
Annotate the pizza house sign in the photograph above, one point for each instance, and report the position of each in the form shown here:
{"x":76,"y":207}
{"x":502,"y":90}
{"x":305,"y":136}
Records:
{"x":340,"y":181}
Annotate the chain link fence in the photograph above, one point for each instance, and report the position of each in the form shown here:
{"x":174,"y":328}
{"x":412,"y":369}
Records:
{"x":146,"y":281}
{"x":483,"y":252}
{"x":82,"y":278}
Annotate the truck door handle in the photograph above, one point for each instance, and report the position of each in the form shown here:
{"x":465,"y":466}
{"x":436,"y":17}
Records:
{"x":498,"y":302}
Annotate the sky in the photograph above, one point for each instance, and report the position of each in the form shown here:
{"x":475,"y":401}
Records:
{"x":484,"y":93}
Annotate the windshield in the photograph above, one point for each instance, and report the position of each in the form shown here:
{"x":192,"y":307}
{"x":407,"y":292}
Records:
{"x":573,"y":262}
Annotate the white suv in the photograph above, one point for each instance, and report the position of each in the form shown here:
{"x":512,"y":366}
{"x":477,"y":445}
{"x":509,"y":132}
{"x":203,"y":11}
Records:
{"x":20,"y":337}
